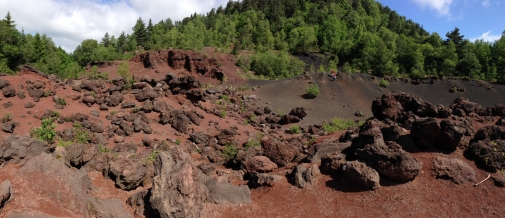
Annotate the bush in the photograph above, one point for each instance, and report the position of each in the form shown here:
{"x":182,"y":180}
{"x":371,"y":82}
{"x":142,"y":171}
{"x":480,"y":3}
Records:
{"x":252,"y":142}
{"x":339,"y":124}
{"x":294,"y":129}
{"x":222,"y":114}
{"x":229,"y":151}
{"x":61,"y":101}
{"x":6,"y":118}
{"x":81,"y":136}
{"x":274,"y":65}
{"x":45,"y":132}
{"x":124,"y":69}
{"x":312,"y":91}
{"x":383,"y":83}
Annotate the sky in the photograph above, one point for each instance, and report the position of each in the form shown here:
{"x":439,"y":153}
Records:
{"x":69,"y":22}
{"x":476,"y":19}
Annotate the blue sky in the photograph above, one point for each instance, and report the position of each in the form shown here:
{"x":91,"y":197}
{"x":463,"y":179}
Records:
{"x":483,"y":19}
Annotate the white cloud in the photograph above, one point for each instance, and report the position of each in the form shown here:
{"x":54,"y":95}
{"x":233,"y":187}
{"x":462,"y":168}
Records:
{"x":486,"y":3}
{"x":69,"y":22}
{"x":441,"y":6}
{"x":487,"y":37}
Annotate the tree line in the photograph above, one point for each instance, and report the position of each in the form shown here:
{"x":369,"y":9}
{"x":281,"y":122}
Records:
{"x":363,"y":35}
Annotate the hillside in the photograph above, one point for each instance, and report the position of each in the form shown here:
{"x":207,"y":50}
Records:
{"x":181,"y":139}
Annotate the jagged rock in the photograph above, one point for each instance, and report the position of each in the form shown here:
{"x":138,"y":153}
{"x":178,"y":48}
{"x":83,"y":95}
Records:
{"x":360,"y":175}
{"x":107,"y":208}
{"x":222,"y":191}
{"x":262,"y":179}
{"x":68,"y":134}
{"x":391,"y":161}
{"x":332,"y":162}
{"x":147,"y":129}
{"x":450,"y":136}
{"x":178,"y":190}
{"x":140,"y":202}
{"x":9,"y":91}
{"x":499,"y":181}
{"x":29,"y":105}
{"x":89,"y":100}
{"x":128,"y":105}
{"x":280,"y":153}
{"x":298,"y":112}
{"x":287,"y":119}
{"x":97,"y":127}
{"x":4,"y":83}
{"x":243,"y":155}
{"x":322,"y":149}
{"x":6,"y":192}
{"x":127,"y":173}
{"x":7,"y":104}
{"x":180,"y":121}
{"x":104,"y":107}
{"x":226,"y":136}
{"x":396,"y":105}
{"x":259,"y":164}
{"x":453,"y":169}
{"x":490,"y":133}
{"x":194,"y":118}
{"x":127,"y":128}
{"x":114,"y":99}
{"x":80,"y":154}
{"x":160,"y":106}
{"x":488,"y":153}
{"x":9,"y":127}
{"x":16,"y":148}
{"x":200,"y":138}
{"x":425,"y":132}
{"x":148,"y":107}
{"x":302,"y":175}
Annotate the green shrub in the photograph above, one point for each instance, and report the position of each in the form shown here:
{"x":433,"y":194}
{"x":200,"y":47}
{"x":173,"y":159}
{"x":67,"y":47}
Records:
{"x":152,"y":156}
{"x":229,"y":151}
{"x":222,"y":114}
{"x":103,"y":149}
{"x":6,"y":118}
{"x":312,"y":91}
{"x":339,"y":124}
{"x":252,"y":142}
{"x":383,"y":83}
{"x":275,"y":64}
{"x":81,"y":136}
{"x":45,"y":132}
{"x":61,"y":101}
{"x":294,"y":129}
{"x":64,"y":143}
{"x":124,"y":69}
{"x":177,"y":142}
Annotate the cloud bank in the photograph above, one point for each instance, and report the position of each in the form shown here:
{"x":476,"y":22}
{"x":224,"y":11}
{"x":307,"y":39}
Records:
{"x":487,"y":36}
{"x":69,"y":22}
{"x":441,"y":6}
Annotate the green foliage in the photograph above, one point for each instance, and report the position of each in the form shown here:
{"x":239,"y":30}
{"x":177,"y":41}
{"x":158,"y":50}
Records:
{"x":229,"y":151}
{"x":383,"y":83}
{"x":340,"y":124}
{"x":222,"y":114}
{"x":103,"y":149}
{"x":294,"y":129}
{"x":124,"y":69}
{"x":45,"y":132}
{"x":94,"y":74}
{"x":178,"y":142}
{"x":252,"y":142}
{"x":152,"y":156}
{"x":77,"y":125}
{"x":312,"y":91}
{"x":6,"y":118}
{"x":62,"y":143}
{"x":81,"y":136}
{"x":61,"y":101}
{"x":276,"y":65}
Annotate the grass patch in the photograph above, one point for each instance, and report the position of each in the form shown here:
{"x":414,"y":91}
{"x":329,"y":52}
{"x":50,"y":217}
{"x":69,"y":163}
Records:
{"x":383,"y":83}
{"x":81,"y":136}
{"x":64,"y":143}
{"x":6,"y":118}
{"x":294,"y":129}
{"x":340,"y":124}
{"x":312,"y":91}
{"x":229,"y":151}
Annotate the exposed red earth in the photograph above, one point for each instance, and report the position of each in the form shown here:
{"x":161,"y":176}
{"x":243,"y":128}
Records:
{"x":166,"y":147}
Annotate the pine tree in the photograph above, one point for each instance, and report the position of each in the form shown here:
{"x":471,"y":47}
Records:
{"x":106,"y":40}
{"x":140,"y":33}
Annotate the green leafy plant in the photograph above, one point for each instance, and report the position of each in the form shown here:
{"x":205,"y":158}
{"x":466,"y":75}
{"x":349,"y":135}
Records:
{"x":222,"y":114}
{"x":152,"y":156}
{"x":55,"y":114}
{"x":81,"y":136}
{"x":229,"y":151}
{"x":252,"y":142}
{"x":177,"y":142}
{"x":312,"y":91}
{"x":77,"y":125}
{"x":281,"y":112}
{"x":6,"y":118}
{"x":103,"y":149}
{"x":61,"y":101}
{"x":294,"y":129}
{"x":62,"y":143}
{"x":339,"y":124}
{"x":93,"y":93}
{"x":383,"y":83}
{"x":45,"y":132}
{"x":112,"y":113}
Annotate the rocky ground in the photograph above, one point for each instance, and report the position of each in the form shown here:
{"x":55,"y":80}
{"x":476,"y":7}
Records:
{"x":190,"y":138}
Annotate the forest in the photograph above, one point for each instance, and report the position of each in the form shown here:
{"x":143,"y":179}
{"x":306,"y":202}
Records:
{"x":362,"y":35}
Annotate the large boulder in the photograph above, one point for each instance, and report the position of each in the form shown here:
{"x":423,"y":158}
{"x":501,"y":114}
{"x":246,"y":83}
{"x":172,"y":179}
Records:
{"x":78,"y":154}
{"x":262,"y":179}
{"x":298,"y":112}
{"x":128,"y":173}
{"x":320,"y":150}
{"x":279,"y":152}
{"x":6,"y":193}
{"x":391,"y":161}
{"x":178,"y":190}
{"x":425,"y":132}
{"x":488,"y":154}
{"x":4,"y":83}
{"x":222,"y":191}
{"x":397,"y":105}
{"x":304,"y":174}
{"x":453,"y":169}
{"x":9,"y":91}
{"x":259,"y":164}
{"x":358,"y":174}
{"x":450,"y":136}
{"x":16,"y":148}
